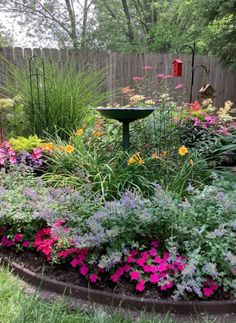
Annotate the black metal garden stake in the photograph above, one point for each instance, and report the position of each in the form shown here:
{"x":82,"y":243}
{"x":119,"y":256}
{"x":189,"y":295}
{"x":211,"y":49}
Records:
{"x":37,"y":84}
{"x":193,"y":69}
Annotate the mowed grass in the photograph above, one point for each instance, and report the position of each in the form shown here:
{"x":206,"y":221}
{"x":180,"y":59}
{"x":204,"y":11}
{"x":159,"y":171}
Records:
{"x":18,"y":307}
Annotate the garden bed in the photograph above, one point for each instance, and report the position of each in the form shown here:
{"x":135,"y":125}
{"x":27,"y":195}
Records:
{"x":66,"y":281}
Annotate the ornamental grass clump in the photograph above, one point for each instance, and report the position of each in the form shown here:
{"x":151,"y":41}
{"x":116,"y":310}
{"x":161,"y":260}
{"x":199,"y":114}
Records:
{"x":70,"y":95}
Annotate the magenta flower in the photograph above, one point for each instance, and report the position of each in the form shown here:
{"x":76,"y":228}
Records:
{"x":162,"y":267}
{"x":26,"y":244}
{"x":75,"y":262}
{"x":141,"y":262}
{"x":59,"y":223}
{"x":134,"y":275}
{"x":7,"y":242}
{"x":126,"y":268}
{"x":130,"y":260}
{"x":167,"y":286}
{"x":207,"y":291}
{"x":115,"y":278}
{"x":154,"y":278}
{"x":154,"y":244}
{"x":153,"y":252}
{"x":84,"y":270}
{"x":18,"y":237}
{"x":93,"y":278}
{"x":140,"y":286}
{"x":133,"y":252}
{"x":146,"y":268}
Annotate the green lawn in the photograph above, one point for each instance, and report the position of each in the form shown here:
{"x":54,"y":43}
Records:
{"x":17,"y":307}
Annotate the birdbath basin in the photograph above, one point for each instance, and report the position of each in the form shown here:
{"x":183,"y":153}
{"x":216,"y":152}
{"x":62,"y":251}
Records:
{"x":126,"y":115}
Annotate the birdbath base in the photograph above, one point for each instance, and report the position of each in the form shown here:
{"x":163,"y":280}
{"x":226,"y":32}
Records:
{"x":126,"y":115}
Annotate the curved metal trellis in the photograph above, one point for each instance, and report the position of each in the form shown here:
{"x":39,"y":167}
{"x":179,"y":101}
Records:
{"x":38,"y":92}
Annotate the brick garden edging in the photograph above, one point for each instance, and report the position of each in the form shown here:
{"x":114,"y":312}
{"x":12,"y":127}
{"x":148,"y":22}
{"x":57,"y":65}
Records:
{"x":112,"y":299}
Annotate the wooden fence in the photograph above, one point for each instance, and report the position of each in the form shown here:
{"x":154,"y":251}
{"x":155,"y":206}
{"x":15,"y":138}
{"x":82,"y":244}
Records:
{"x":120,"y":68}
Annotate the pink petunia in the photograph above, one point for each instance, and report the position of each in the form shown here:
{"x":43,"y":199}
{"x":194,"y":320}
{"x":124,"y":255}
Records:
{"x":141,"y":262}
{"x":18,"y":237}
{"x":93,"y":278}
{"x":153,"y":252}
{"x":84,"y":270}
{"x":162,"y":267}
{"x":158,"y":260}
{"x":153,"y":268}
{"x":133,"y":252}
{"x":146,"y":268}
{"x":115,"y":278}
{"x":167,"y":286}
{"x":134,"y":275}
{"x":130,"y":260}
{"x":26,"y":244}
{"x":154,"y":278}
{"x":154,"y":244}
{"x":7,"y":242}
{"x":12,"y":160}
{"x":208,"y":292}
{"x":59,"y":223}
{"x":145,"y":255}
{"x":140,"y":286}
{"x":126,"y":268}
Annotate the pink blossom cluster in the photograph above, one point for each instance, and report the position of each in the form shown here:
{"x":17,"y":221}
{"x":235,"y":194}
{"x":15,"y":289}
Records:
{"x":8,"y":156}
{"x":210,"y":286}
{"x":17,"y":240}
{"x":143,"y":267}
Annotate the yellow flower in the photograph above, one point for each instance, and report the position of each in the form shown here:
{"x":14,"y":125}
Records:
{"x":97,"y":133}
{"x":191,"y":162}
{"x":151,"y":102}
{"x":183,"y":151}
{"x":79,"y":132}
{"x":60,"y":148}
{"x":155,"y":156}
{"x":136,"y":98}
{"x":164,"y":154}
{"x":135,"y":159}
{"x":69,"y":149}
{"x":48,"y":146}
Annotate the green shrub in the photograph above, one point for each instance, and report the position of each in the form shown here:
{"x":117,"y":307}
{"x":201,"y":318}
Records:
{"x":25,"y":144}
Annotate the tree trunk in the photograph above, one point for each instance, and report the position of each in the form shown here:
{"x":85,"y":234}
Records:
{"x":73,"y":33}
{"x":128,"y":19}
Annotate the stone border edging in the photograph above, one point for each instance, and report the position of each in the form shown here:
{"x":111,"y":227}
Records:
{"x":112,"y":299}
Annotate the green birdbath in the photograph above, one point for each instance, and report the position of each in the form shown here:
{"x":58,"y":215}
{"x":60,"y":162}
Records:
{"x":126,"y":115}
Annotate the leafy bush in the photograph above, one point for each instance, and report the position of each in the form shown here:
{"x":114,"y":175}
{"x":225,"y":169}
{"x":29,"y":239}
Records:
{"x":192,"y":240}
{"x":26,"y":144}
{"x":70,"y":95}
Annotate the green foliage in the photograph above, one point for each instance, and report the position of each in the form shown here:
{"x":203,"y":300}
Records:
{"x":70,"y":95}
{"x":25,"y":144}
{"x":97,"y":162}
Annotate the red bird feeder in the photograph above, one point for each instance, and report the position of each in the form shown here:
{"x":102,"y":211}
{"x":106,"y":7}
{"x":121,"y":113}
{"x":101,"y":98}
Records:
{"x":177,"y":67}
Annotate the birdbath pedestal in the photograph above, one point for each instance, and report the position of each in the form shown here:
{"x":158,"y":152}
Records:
{"x":125,"y":116}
